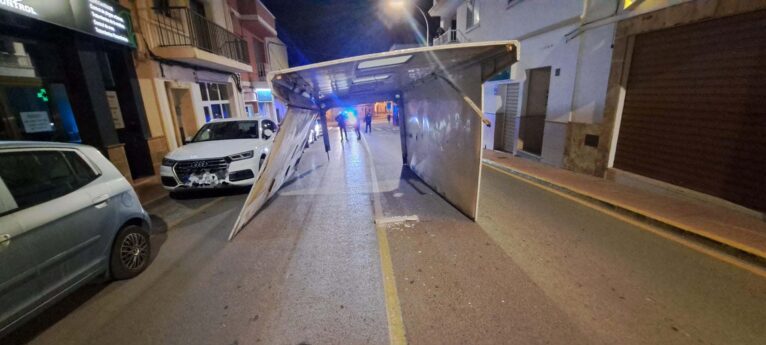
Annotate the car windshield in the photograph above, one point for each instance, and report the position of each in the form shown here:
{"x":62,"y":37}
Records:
{"x":227,"y":130}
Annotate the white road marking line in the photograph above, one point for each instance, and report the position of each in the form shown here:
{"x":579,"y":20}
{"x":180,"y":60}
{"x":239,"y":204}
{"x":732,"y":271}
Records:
{"x":400,"y":219}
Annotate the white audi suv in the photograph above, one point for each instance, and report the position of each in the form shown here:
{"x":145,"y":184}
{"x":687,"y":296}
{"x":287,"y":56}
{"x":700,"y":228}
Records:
{"x":223,"y":153}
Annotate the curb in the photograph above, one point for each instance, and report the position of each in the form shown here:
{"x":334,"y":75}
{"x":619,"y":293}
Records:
{"x":145,"y":204}
{"x":739,"y":251}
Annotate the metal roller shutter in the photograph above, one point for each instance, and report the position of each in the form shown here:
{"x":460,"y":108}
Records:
{"x":695,"y":108}
{"x":512,"y":117}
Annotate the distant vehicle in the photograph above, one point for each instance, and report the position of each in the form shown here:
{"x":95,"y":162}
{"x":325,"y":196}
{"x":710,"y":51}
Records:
{"x":67,"y":216}
{"x":223,"y":153}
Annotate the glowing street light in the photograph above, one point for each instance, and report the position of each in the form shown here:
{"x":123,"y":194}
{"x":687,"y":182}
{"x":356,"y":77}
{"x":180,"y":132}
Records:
{"x":402,"y":5}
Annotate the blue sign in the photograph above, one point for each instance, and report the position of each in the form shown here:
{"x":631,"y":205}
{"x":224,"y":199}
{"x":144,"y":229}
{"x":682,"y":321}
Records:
{"x":264,"y":95}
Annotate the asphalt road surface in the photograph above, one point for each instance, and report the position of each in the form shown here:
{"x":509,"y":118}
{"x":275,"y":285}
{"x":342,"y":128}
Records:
{"x":535,"y":268}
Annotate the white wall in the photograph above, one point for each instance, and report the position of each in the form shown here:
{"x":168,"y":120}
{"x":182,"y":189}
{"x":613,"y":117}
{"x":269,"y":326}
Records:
{"x":595,"y":58}
{"x":541,"y":27}
{"x":492,"y":102}
{"x":566,"y":36}
{"x":499,"y":21}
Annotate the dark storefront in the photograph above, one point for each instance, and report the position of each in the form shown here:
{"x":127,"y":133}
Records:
{"x":67,"y":74}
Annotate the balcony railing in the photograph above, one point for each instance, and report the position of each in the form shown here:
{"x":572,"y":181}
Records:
{"x":178,"y":26}
{"x":450,"y":36}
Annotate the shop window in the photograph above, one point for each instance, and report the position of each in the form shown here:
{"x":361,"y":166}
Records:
{"x":6,"y":47}
{"x":15,"y":60}
{"x":250,"y":109}
{"x":34,"y":104}
{"x":37,"y":113}
{"x":106,"y":70}
{"x":203,"y":91}
{"x":262,"y":109}
{"x":215,"y":101}
{"x":213,"y":92}
{"x":223,"y":91}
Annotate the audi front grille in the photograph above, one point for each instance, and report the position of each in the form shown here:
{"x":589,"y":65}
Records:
{"x":184,"y":169}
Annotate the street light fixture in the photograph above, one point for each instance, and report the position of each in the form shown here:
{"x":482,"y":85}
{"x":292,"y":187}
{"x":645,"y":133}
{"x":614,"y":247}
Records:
{"x":401,"y":5}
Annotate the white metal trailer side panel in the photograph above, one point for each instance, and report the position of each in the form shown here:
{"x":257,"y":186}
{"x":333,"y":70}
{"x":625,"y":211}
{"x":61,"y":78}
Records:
{"x":444,"y":136}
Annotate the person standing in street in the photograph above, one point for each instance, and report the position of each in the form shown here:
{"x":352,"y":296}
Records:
{"x":368,"y":122}
{"x":388,"y":117}
{"x":341,"y":120}
{"x":357,"y":127}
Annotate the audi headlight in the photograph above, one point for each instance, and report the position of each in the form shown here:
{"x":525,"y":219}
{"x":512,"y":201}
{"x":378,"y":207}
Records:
{"x":168,"y":162}
{"x":241,"y":156}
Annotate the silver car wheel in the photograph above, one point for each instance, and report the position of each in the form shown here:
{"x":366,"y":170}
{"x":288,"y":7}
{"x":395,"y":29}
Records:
{"x":134,"y":251}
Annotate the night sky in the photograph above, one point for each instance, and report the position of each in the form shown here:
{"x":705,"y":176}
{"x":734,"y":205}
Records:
{"x":320,"y":30}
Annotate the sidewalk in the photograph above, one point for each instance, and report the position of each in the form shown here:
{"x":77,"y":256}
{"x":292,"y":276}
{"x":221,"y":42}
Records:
{"x":149,"y":189}
{"x":719,"y":224}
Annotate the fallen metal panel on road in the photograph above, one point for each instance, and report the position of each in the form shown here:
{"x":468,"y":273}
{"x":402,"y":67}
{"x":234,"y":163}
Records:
{"x":279,"y":165}
{"x":442,"y":125}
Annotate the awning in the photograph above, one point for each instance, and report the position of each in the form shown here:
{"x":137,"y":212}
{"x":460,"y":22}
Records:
{"x":437,"y":89}
{"x":212,"y":77}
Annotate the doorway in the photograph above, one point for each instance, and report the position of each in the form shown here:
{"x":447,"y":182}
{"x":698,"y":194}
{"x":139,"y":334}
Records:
{"x":532,"y":124}
{"x":184,"y":119}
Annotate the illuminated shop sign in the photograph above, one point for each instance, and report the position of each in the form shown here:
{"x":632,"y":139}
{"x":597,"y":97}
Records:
{"x":107,"y":22}
{"x":264,"y":95}
{"x":101,"y":18}
{"x":19,"y":6}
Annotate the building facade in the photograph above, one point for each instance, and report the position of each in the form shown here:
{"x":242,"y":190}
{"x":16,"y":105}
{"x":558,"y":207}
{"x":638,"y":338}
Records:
{"x":665,"y":92}
{"x":67,"y":74}
{"x":200,"y":60}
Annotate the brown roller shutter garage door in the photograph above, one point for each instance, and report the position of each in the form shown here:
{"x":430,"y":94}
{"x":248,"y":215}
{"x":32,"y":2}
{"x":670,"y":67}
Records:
{"x":695,"y":108}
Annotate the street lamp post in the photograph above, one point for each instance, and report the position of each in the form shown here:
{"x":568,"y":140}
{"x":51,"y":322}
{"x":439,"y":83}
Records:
{"x":401,"y":4}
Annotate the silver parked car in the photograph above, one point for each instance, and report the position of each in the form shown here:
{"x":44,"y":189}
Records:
{"x":66,"y":216}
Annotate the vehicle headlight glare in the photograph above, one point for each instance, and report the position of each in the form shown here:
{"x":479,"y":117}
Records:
{"x":241,"y":156}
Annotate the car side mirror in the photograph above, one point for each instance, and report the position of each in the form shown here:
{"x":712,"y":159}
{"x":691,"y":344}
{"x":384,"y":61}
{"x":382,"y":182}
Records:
{"x":267,"y":133}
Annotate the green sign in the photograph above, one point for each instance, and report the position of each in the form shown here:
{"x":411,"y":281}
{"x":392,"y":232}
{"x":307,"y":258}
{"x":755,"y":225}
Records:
{"x":43,"y":94}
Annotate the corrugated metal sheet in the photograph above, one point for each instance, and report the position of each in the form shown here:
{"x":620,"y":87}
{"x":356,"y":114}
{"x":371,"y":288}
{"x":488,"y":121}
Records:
{"x":695,"y":108}
{"x":510,"y":126}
